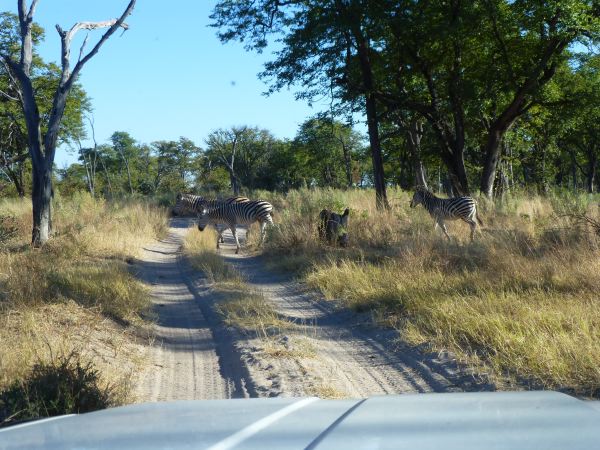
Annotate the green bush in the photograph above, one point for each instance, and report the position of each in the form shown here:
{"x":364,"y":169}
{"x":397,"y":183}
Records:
{"x":64,"y":386}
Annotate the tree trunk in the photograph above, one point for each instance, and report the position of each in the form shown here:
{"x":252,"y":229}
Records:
{"x":457,"y":174}
{"x":414,"y":135}
{"x":17,"y":179}
{"x":235,"y":187}
{"x":41,"y":199}
{"x":492,"y":155}
{"x":376,"y":157}
{"x":372,"y":122}
{"x":591,"y":175}
{"x":347,"y":164}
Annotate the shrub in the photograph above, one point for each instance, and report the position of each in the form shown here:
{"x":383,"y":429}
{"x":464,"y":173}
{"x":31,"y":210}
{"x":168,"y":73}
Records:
{"x":64,"y":386}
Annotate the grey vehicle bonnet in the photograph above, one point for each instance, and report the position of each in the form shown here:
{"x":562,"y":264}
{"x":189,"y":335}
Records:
{"x":496,"y":420}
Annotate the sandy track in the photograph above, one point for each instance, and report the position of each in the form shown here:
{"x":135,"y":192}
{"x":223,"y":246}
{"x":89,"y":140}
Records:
{"x":192,"y":356}
{"x":326,"y":351}
{"x":335,"y":352}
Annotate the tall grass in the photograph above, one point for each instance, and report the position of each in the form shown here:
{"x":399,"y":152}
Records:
{"x":67,"y":295}
{"x":521,"y":300}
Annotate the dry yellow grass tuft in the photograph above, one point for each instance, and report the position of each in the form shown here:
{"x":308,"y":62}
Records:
{"x":240,"y":306}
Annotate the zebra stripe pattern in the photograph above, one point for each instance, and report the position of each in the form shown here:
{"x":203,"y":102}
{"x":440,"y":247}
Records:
{"x":237,"y":213}
{"x":193,"y":204}
{"x":440,"y":209}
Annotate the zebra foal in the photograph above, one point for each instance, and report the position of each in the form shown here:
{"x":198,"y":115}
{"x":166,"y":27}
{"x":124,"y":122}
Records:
{"x":240,"y":213}
{"x":440,"y":209}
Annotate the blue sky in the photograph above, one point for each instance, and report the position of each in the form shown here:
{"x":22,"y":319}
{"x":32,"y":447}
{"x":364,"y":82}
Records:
{"x":168,"y":75}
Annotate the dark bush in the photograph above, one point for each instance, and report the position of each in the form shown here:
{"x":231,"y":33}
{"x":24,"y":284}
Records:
{"x":64,"y":386}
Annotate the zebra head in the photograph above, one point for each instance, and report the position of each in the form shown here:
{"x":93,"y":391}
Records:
{"x":203,"y":219}
{"x":418,"y":197}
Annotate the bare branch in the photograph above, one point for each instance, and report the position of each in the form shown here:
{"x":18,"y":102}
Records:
{"x":67,"y":37}
{"x":8,"y":96}
{"x":113,"y":24}
{"x":83,"y":46}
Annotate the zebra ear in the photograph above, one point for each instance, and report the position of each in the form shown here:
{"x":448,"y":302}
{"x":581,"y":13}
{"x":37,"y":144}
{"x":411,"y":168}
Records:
{"x":346,"y":212}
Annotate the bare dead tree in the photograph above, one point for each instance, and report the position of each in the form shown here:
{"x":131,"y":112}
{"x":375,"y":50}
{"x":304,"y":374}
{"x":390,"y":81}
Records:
{"x":42,"y":146}
{"x":89,"y":156}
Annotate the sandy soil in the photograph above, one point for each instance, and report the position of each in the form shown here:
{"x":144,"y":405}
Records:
{"x":192,"y":356}
{"x":328,"y":351}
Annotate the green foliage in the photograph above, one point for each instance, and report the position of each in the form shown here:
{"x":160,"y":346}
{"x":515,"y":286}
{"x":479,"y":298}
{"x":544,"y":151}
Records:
{"x":65,"y":385}
{"x":472,"y":71}
{"x":14,"y":154}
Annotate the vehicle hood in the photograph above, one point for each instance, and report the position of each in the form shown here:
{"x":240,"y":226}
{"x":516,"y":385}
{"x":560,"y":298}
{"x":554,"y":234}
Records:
{"x":492,"y":420}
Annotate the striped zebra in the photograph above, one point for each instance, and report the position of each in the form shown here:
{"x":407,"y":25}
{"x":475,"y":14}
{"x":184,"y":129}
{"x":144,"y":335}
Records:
{"x":241,"y":213}
{"x":440,"y":209}
{"x":193,"y":204}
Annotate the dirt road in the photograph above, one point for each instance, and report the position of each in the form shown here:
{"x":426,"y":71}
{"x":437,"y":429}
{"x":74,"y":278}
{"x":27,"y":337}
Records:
{"x":192,"y":356}
{"x":329,"y":352}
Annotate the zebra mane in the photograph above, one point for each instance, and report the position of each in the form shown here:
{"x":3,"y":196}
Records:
{"x":424,"y":190}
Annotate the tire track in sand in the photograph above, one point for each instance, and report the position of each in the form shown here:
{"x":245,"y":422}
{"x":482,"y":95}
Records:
{"x":347,"y":357}
{"x":192,"y":356}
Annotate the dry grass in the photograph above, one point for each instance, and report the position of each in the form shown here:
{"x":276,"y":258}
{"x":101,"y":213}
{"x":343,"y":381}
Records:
{"x":200,"y":248}
{"x":240,"y":306}
{"x":248,"y":310}
{"x":66,"y":296}
{"x":521,"y":300}
{"x":326,"y":391}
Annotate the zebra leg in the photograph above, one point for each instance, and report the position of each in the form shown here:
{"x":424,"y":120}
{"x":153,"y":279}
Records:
{"x":473,"y":226}
{"x":237,"y":243}
{"x":444,"y":229}
{"x":263,"y":228}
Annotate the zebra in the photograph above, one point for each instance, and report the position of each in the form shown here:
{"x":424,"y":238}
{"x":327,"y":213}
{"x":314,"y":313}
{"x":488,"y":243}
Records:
{"x":440,"y":209}
{"x":190,"y":203}
{"x":240,"y":213}
{"x":333,"y":227}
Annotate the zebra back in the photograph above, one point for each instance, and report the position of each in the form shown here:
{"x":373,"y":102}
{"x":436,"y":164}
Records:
{"x":237,"y":213}
{"x":445,"y":208}
{"x":193,"y":204}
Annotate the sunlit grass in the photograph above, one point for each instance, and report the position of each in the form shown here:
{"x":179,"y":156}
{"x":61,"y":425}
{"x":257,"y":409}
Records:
{"x":65,"y":296}
{"x":521,"y":300}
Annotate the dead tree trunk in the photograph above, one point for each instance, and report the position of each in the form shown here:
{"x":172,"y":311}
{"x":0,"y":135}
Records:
{"x":42,"y":147}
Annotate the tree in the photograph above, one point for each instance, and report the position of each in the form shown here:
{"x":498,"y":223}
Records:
{"x":581,"y":117}
{"x":325,"y":150}
{"x":242,"y":151}
{"x":126,"y":148}
{"x":530,"y":40}
{"x":223,"y":147}
{"x":176,"y":163}
{"x":43,"y":133}
{"x":322,"y":43}
{"x":14,"y":154}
